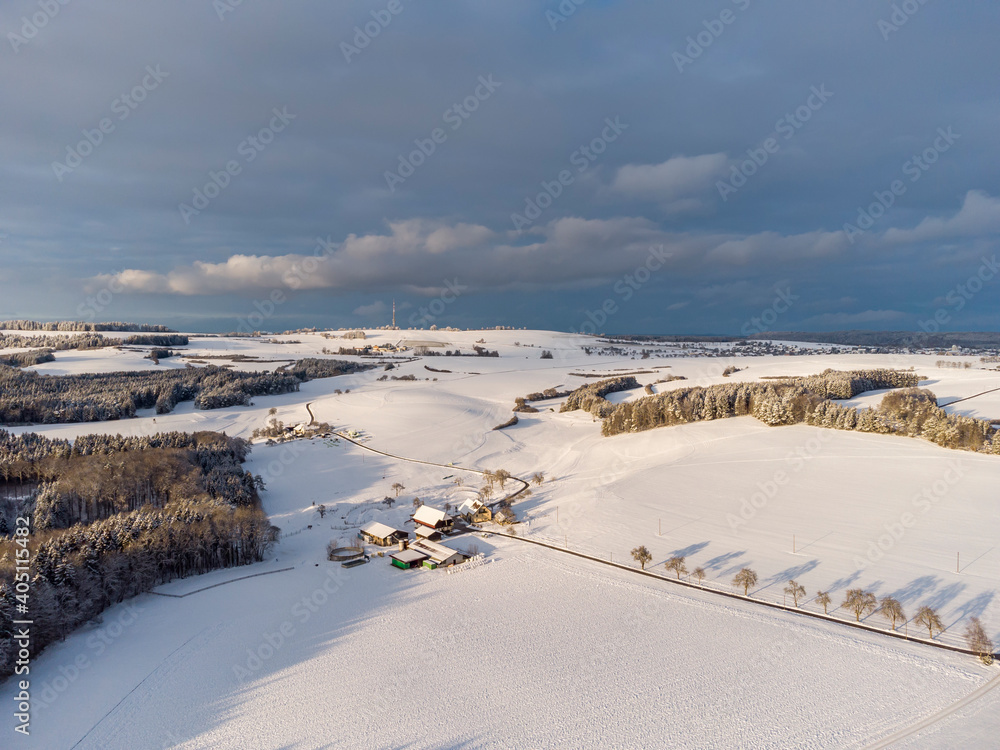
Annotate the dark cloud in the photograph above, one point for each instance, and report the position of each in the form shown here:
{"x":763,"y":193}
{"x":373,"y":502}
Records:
{"x":83,"y":208}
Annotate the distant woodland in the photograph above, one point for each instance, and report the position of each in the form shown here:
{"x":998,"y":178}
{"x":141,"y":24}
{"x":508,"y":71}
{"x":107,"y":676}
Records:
{"x":115,"y":516}
{"x":27,"y":397}
{"x":909,"y":411}
{"x":77,"y":325}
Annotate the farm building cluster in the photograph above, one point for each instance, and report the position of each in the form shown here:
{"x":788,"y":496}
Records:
{"x":426,"y":550}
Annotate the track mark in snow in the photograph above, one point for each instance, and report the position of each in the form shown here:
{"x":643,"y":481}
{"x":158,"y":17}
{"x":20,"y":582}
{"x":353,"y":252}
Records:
{"x":222,"y":583}
{"x":936,"y":717}
{"x":156,"y":669}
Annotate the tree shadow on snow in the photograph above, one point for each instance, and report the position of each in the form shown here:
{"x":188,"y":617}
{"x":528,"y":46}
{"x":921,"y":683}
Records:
{"x":945,"y":595}
{"x":717,"y":563}
{"x":974,"y":607}
{"x":789,"y":573}
{"x":916,"y":589}
{"x":691,"y":549}
{"x":843,"y":583}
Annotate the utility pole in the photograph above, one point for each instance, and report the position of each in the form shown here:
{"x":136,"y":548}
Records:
{"x":394,"y":314}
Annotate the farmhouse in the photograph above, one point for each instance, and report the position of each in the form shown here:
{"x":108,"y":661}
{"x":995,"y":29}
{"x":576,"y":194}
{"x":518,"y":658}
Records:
{"x":432,"y":518}
{"x":382,"y":535}
{"x":475,"y":511}
{"x":436,"y":554}
{"x":408,"y":558}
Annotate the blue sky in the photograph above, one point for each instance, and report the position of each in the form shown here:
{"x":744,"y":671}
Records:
{"x":626,"y":167}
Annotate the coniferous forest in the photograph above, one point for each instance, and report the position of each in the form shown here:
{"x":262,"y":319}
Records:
{"x":30,"y":398}
{"x":909,"y":411}
{"x":115,"y":516}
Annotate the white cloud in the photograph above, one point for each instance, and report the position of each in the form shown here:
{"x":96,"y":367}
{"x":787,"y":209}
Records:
{"x":421,"y":257}
{"x":979,"y":215}
{"x":672,"y":182}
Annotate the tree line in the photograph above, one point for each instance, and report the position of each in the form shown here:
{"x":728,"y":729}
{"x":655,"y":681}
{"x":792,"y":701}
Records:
{"x":59,"y":342}
{"x":100,"y":475}
{"x":591,"y":397}
{"x":77,"y":325}
{"x":114,"y":516}
{"x":909,"y":411}
{"x":27,"y":359}
{"x":161,"y":339}
{"x":858,"y":602}
{"x":79,"y":572}
{"x":27,"y":397}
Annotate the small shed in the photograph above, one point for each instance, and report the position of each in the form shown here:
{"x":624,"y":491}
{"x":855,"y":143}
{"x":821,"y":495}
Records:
{"x":382,"y":535}
{"x":433,"y":518}
{"x":407,"y":558}
{"x":425,"y":532}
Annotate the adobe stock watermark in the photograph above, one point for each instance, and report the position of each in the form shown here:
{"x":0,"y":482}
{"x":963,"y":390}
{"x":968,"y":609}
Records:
{"x":122,"y":106}
{"x":364,"y":34}
{"x":582,"y":158}
{"x":783,"y":301}
{"x":249,"y":148}
{"x":302,"y":611}
{"x":562,"y":12}
{"x":96,"y":643}
{"x":294,"y":278}
{"x":928,"y":497}
{"x":714,"y":28}
{"x":769,"y":489}
{"x":624,"y":289}
{"x":33,"y":24}
{"x":455,"y":116}
{"x":224,"y":7}
{"x":900,"y":16}
{"x":914,"y":168}
{"x":960,"y":295}
{"x":427,"y":314}
{"x":94,"y":305}
{"x":786,"y":127}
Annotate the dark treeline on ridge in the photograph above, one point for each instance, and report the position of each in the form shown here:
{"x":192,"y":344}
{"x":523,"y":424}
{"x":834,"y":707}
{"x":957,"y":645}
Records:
{"x":27,"y":359}
{"x":58,"y":342}
{"x":27,"y":397}
{"x":78,"y":325}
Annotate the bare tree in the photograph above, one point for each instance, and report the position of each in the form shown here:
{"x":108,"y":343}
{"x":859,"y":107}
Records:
{"x":699,"y":573}
{"x":397,"y":488}
{"x":859,"y":602}
{"x":795,"y":590}
{"x":928,"y":618}
{"x":486,"y":491}
{"x":823,"y":597}
{"x":891,"y":610}
{"x":459,"y":481}
{"x":417,"y":502}
{"x":538,"y":477}
{"x":975,"y":636}
{"x":745,"y":578}
{"x":642,"y":556}
{"x":321,"y":509}
{"x":677,"y":565}
{"x":502,"y":475}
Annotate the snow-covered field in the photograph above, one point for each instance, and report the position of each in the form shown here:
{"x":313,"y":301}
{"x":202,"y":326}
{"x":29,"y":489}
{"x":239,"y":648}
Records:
{"x":537,"y":648}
